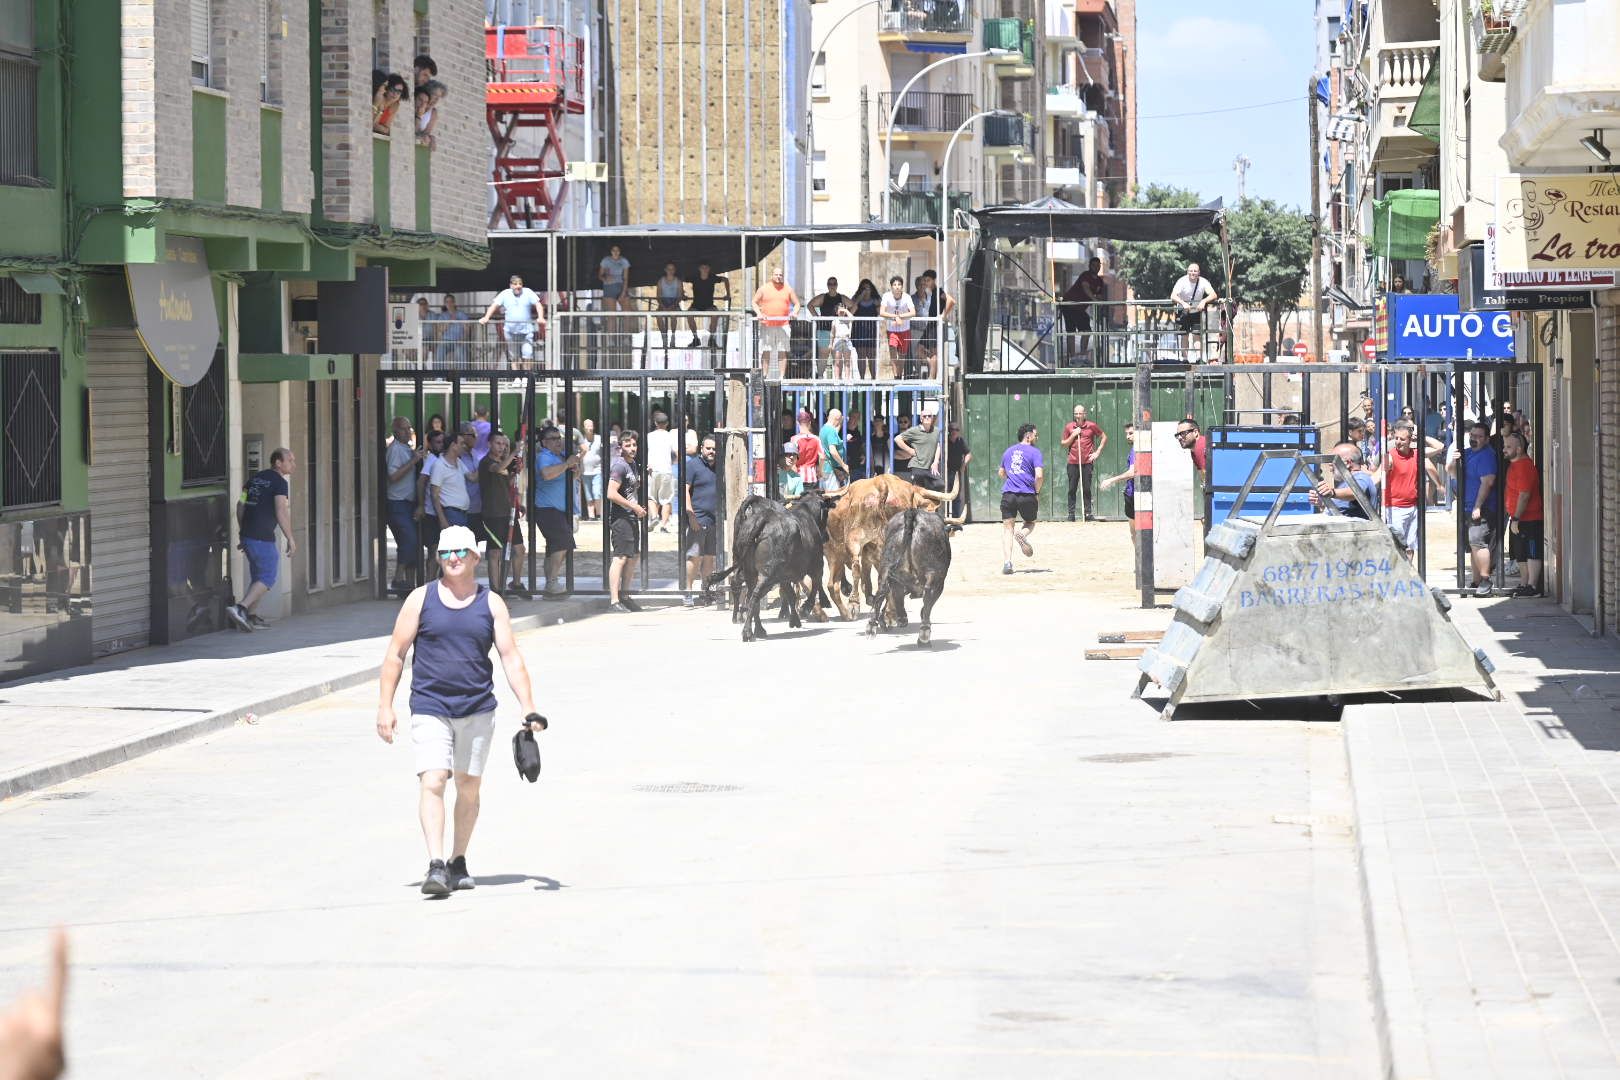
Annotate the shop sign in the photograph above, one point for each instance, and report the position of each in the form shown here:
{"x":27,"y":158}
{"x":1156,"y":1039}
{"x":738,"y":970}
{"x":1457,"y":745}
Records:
{"x":1433,"y":326}
{"x":174,"y":309}
{"x":1558,"y":222}
{"x":1471,"y":278}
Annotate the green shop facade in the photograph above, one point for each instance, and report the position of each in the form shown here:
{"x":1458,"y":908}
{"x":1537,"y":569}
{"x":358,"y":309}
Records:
{"x":153,"y":351}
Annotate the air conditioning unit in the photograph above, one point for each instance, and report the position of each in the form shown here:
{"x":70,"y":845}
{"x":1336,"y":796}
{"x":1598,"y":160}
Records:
{"x":590,"y":172}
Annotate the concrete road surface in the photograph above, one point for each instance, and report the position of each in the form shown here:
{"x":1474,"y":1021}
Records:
{"x":816,"y":856}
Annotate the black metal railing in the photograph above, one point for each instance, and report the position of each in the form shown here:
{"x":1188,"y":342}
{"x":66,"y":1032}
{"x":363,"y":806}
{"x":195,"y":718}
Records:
{"x":1006,"y":131}
{"x":31,"y":407}
{"x":927,"y":110}
{"x":202,"y":423}
{"x":19,"y":131}
{"x":922,"y":207}
{"x":928,"y":17}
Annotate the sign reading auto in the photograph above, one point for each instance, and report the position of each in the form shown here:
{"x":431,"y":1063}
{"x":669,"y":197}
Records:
{"x":1557,"y":222}
{"x":1434,"y":327}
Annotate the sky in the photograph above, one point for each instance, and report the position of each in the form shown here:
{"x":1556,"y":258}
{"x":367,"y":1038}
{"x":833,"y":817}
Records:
{"x":1193,"y":58}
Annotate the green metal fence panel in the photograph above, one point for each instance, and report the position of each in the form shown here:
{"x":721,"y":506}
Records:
{"x":997,"y":405}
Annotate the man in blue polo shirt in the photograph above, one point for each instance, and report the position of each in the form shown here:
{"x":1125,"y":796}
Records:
{"x":1481,"y":501}
{"x":552,"y":475}
{"x":264,"y":506}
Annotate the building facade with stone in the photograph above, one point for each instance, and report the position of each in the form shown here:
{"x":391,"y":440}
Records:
{"x":189,"y":185}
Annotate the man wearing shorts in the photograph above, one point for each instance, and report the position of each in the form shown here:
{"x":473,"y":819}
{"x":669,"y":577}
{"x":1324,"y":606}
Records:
{"x":1129,"y":476}
{"x":1022,"y":474}
{"x":624,"y":524}
{"x":1481,"y":500}
{"x":452,"y":623}
{"x":776,"y":305}
{"x":898,"y":310}
{"x":661,"y":469}
{"x":265,"y":505}
{"x":1190,"y":295}
{"x":495,"y":475}
{"x":521,"y":315}
{"x":703,"y":515}
{"x":1524,"y":513}
{"x":552,"y":475}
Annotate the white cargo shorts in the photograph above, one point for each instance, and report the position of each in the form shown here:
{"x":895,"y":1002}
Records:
{"x":452,"y":744}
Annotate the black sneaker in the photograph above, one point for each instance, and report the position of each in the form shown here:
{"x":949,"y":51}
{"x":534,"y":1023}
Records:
{"x":437,"y":882}
{"x":618,"y":608}
{"x":256,"y":622}
{"x":238,"y":618}
{"x":629,"y":604}
{"x":1525,"y":591}
{"x":519,"y":591}
{"x":460,"y":876}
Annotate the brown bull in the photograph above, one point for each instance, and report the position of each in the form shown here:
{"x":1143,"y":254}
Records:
{"x":855,"y":531}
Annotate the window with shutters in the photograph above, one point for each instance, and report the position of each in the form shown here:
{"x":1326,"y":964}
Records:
{"x":202,"y":421}
{"x":18,"y":307}
{"x":19,"y":98}
{"x":31,"y":449}
{"x":202,"y":42}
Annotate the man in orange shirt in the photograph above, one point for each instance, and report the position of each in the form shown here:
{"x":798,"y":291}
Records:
{"x":776,"y":305}
{"x":1524,"y":513}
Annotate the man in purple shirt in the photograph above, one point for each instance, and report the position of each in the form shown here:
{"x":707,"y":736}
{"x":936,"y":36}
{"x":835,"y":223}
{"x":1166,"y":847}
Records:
{"x":1022,"y":473}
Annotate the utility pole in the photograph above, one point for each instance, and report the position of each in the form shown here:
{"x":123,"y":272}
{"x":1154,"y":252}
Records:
{"x":1241,"y":164}
{"x":1316,"y":223}
{"x":866,"y":163}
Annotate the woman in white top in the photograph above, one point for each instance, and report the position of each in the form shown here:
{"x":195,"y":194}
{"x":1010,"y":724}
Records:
{"x":614,"y":273}
{"x":590,"y":468}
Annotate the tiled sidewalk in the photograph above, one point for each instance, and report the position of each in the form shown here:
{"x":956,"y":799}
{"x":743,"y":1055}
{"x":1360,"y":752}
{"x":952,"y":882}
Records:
{"x":1490,"y":847}
{"x":71,"y":722}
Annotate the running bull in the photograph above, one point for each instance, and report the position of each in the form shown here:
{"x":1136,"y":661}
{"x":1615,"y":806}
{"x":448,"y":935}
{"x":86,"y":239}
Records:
{"x":916,"y":560}
{"x":778,"y":547}
{"x":855,"y":531}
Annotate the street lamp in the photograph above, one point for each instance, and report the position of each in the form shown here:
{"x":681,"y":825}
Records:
{"x":810,"y":110}
{"x":894,"y":113}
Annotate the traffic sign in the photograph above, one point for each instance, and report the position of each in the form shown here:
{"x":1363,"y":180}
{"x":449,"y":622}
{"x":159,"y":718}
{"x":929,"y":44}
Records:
{"x":1301,"y":349}
{"x":1369,"y":350}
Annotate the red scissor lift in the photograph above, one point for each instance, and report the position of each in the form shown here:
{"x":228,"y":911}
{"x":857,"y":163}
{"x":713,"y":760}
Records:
{"x":535,"y":77}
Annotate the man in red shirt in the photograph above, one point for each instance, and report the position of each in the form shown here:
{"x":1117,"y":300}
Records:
{"x":1198,"y":447}
{"x":1084,"y":439}
{"x":1524,"y":513}
{"x":775,"y":303}
{"x":1401,"y":485}
{"x":807,"y":451}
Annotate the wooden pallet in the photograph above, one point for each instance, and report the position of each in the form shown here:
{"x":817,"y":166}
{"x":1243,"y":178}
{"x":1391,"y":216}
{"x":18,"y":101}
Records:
{"x":1127,"y":652}
{"x":1122,"y":636}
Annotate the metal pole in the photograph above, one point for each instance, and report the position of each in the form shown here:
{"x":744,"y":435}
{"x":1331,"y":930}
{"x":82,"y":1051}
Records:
{"x":1144,"y":483}
{"x":810,"y":112}
{"x":1422,"y":441}
{"x":888,"y":132}
{"x":1463,"y":512}
{"x":1316,"y":226}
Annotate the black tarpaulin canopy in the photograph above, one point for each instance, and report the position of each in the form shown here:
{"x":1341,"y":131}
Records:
{"x":649,"y":247}
{"x":1080,"y":223}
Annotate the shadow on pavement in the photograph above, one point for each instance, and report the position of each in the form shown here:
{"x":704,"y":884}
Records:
{"x":1576,"y":690}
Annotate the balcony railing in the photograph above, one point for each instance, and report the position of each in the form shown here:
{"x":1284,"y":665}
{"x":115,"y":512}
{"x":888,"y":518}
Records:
{"x":1007,"y":131}
{"x":922,"y":207}
{"x":927,"y":17}
{"x":1014,"y":34}
{"x":926,"y":110}
{"x":1402,"y":66}
{"x":1094,"y":62}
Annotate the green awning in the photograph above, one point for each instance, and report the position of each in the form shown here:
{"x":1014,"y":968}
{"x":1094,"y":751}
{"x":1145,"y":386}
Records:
{"x":1401,"y":223}
{"x":1425,"y":117}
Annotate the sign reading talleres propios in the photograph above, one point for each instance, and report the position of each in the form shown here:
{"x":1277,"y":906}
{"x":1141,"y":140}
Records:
{"x":1569,"y":221}
{"x":174,"y":309}
{"x":1433,"y":326}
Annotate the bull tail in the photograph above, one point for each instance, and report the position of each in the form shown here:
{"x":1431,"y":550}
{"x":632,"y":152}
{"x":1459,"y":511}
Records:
{"x":911,"y":527}
{"x":719,"y":576}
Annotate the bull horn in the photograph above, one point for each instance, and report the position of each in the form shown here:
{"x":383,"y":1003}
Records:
{"x":957,"y":521}
{"x":941,"y":496}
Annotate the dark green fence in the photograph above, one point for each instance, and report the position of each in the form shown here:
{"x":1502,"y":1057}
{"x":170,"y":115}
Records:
{"x":998,"y":404}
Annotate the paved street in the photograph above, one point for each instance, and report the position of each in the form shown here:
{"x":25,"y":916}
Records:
{"x":819,"y":855}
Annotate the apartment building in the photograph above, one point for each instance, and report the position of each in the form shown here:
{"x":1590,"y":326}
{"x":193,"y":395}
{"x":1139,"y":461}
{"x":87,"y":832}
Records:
{"x":203,"y":222}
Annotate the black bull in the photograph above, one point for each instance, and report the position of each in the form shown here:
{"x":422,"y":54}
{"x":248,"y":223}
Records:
{"x":772,"y":546}
{"x":916,"y":560}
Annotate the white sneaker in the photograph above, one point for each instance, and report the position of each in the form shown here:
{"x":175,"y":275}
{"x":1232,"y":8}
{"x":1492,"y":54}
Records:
{"x":1483,"y":589}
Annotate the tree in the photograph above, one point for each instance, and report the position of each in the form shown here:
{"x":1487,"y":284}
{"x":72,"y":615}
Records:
{"x":1271,"y":254}
{"x":1152,"y":267}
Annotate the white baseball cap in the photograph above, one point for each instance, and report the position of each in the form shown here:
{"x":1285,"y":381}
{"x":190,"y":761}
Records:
{"x":457,"y":536}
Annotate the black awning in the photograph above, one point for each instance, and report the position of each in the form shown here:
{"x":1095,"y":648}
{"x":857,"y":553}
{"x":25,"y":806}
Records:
{"x":649,"y":247}
{"x":1024,"y":223}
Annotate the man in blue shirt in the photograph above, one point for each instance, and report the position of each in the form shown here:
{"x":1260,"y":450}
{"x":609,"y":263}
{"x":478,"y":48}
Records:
{"x":702,"y":514}
{"x":552,"y":476}
{"x":1342,"y":494}
{"x":1481,"y":501}
{"x":1023,"y":472}
{"x":520,"y":309}
{"x":264,"y":506}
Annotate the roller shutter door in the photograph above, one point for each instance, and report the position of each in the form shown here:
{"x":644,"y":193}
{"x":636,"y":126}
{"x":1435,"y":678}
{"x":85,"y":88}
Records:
{"x":120,"y":494}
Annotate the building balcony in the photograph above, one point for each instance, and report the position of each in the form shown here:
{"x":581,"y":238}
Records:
{"x":1016,"y":36}
{"x":925,"y":116}
{"x":908,"y":22}
{"x":1064,"y":172}
{"x":1562,"y":82}
{"x":1062,"y":24}
{"x":1064,"y":101}
{"x":1008,"y":135}
{"x":1093,"y":63}
{"x":1399,"y":70}
{"x":922,"y":207}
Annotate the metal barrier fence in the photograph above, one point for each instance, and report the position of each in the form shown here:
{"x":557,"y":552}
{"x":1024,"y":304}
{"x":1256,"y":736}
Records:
{"x":808,"y":347}
{"x":1040,"y":334}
